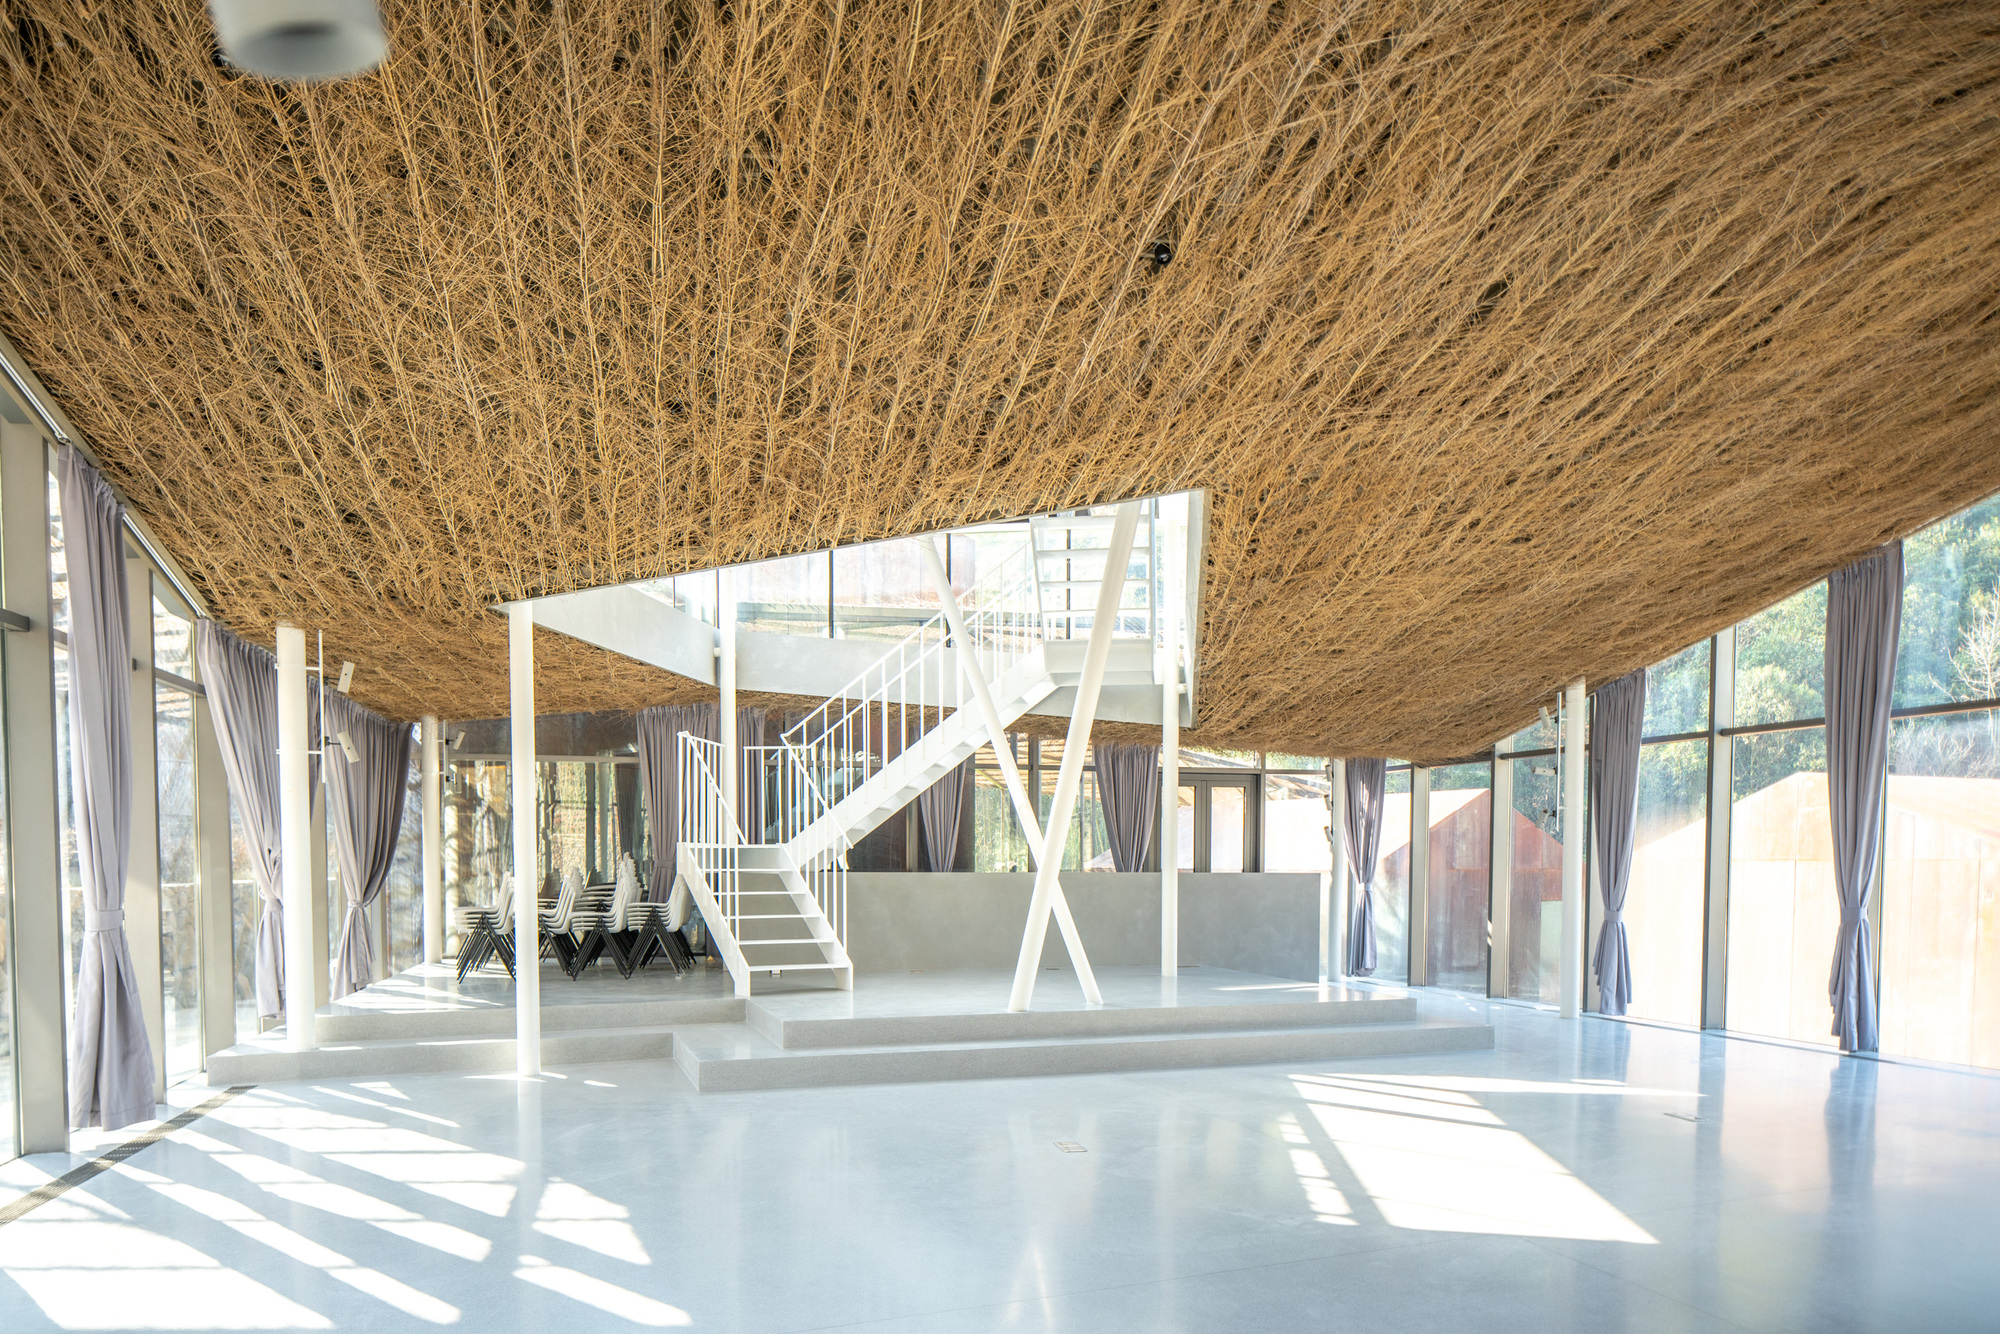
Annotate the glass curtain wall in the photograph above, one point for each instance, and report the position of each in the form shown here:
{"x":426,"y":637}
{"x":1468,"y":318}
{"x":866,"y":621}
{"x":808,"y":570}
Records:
{"x":1461,"y":851}
{"x":1783,"y":909}
{"x":180,"y":880}
{"x":1392,"y":880}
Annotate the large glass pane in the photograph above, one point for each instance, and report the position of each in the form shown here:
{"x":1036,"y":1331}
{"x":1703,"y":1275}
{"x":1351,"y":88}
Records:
{"x":1184,"y":826}
{"x":881,"y":590}
{"x":1677,"y":693}
{"x":1781,"y":660}
{"x":403,"y":897}
{"x":1537,"y":735}
{"x":477,"y":833}
{"x":998,"y":844}
{"x":71,"y":867}
{"x":1392,"y":882}
{"x":1940,"y":946}
{"x":246,"y":907}
{"x":180,"y":882}
{"x":1950,"y":644}
{"x":1296,"y":818}
{"x":1534,"y":900}
{"x":173,"y":641}
{"x":1089,"y":809}
{"x":1227,"y":814}
{"x":1461,"y":851}
{"x":1664,"y":900}
{"x":1783,"y":910}
{"x":1279,"y":760}
{"x":788,"y":596}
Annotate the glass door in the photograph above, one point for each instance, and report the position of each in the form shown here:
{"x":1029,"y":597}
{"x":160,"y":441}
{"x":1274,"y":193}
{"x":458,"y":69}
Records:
{"x":1218,"y":823}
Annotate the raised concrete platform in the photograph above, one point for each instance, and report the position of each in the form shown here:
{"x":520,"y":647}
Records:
{"x":893,"y":1028}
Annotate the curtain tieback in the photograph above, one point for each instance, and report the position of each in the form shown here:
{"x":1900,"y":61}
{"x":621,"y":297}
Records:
{"x":103,"y":919}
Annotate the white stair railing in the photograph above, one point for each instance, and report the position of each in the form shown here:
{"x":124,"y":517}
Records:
{"x":882,"y":715}
{"x":888,"y":710}
{"x":709,"y":854}
{"x":791,"y":799}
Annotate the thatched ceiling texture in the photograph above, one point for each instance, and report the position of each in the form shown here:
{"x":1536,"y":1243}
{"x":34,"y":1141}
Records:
{"x":1516,"y":341}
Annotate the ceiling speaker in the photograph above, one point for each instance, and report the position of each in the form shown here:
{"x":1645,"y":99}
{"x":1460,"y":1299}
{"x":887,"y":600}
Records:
{"x":307,"y":40}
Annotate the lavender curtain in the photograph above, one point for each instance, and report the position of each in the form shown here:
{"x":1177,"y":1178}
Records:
{"x":939,"y":809}
{"x":1366,"y":779}
{"x":658,"y":781}
{"x":750,"y":815}
{"x":1615,"y":727}
{"x":111,"y":1060}
{"x":364,"y":805}
{"x":1864,"y":614}
{"x":1128,"y":785}
{"x":242,"y":684}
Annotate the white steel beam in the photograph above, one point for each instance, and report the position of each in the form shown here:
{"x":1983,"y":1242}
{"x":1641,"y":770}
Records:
{"x":1574,"y":832}
{"x":527,"y":885}
{"x":1003,"y":754}
{"x":295,"y":842}
{"x":433,"y":840}
{"x":1070,"y":776}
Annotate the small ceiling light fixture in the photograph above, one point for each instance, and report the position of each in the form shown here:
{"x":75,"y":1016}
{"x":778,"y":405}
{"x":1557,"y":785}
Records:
{"x":305,"y":40}
{"x":1161,"y":254}
{"x":347,"y":748}
{"x":346,"y":677}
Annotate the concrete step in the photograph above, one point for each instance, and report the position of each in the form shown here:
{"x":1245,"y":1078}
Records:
{"x":735,"y":1057}
{"x":498,"y":1020}
{"x":263,"y":1061}
{"x":768,"y":1016}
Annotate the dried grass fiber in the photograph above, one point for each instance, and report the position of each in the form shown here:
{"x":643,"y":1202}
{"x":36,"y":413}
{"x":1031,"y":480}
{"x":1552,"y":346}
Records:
{"x":1517,"y":342}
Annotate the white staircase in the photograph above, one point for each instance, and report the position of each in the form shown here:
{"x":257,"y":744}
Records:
{"x":770,"y":877}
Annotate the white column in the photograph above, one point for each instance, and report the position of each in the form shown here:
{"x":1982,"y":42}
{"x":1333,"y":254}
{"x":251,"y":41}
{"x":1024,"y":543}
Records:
{"x":1070,"y":776}
{"x":725,"y":680}
{"x":295,"y":802}
{"x":527,"y":908}
{"x":1334,"y":913}
{"x":1170,"y":768}
{"x":433,"y":835}
{"x":1574,"y":832}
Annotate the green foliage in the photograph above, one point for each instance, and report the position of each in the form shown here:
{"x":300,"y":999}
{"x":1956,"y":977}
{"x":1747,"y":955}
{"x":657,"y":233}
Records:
{"x":1950,"y":643}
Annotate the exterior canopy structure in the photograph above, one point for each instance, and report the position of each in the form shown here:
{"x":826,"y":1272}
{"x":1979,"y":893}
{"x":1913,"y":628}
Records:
{"x":1513,"y":344}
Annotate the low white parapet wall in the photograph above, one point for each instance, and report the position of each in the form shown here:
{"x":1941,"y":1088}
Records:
{"x":900,"y":921}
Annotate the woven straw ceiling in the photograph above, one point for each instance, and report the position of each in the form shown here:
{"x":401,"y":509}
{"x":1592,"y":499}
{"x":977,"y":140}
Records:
{"x":1516,"y":342}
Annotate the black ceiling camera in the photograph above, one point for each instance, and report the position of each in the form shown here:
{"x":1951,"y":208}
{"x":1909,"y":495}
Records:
{"x":1161,"y":254}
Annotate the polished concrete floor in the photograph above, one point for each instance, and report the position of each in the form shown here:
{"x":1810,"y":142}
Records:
{"x":1586,"y":1176}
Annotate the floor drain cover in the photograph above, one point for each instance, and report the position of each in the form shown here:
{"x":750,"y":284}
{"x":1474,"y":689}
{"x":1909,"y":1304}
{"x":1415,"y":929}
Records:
{"x":1070,"y":1146}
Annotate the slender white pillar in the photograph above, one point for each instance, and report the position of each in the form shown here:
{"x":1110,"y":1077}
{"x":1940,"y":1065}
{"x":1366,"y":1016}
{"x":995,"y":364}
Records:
{"x":1334,"y":913}
{"x":433,"y":826}
{"x":527,"y":907}
{"x":1070,"y":776}
{"x":295,"y":842}
{"x":1170,"y":787}
{"x":1574,"y":832}
{"x":725,"y":680}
